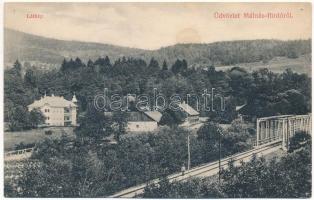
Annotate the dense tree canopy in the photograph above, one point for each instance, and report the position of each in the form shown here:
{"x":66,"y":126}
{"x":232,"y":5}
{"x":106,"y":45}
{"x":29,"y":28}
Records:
{"x":265,"y":93}
{"x":92,"y":167}
{"x":89,"y":166}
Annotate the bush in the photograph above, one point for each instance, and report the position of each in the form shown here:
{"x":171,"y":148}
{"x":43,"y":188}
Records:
{"x":299,"y":140}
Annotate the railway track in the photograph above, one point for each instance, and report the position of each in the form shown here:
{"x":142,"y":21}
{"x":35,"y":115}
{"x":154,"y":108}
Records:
{"x":205,"y":170}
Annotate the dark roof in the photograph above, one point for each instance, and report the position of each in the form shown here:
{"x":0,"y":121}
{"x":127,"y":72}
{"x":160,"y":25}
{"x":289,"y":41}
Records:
{"x":238,"y":108}
{"x":138,"y":116}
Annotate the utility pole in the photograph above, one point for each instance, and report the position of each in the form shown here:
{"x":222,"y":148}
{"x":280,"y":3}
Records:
{"x":219,"y":162}
{"x":189,"y":152}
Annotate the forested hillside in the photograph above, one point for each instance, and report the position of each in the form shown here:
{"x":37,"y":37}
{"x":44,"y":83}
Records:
{"x":266,"y":93}
{"x":49,"y":53}
{"x":88,"y":166}
{"x":35,"y":49}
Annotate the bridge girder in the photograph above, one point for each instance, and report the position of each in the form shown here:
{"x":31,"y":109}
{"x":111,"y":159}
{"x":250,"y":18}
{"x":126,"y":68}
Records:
{"x":281,"y":128}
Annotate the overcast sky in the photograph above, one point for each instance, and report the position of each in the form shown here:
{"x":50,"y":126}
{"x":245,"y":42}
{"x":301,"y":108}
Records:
{"x":153,"y":25}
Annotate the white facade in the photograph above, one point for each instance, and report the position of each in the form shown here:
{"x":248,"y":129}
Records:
{"x":142,"y":126}
{"x":143,"y":121}
{"x":57,"y":110}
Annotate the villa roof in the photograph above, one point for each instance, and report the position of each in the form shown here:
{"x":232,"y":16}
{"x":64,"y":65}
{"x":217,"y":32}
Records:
{"x":53,"y":101}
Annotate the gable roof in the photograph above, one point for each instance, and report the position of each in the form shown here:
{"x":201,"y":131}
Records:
{"x":53,"y":101}
{"x":155,"y":115}
{"x":238,"y":108}
{"x":137,"y":116}
{"x":188,"y":109}
{"x":144,"y":116}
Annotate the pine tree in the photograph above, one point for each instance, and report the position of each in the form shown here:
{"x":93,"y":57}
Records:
{"x":184,"y":65}
{"x":90,"y":63}
{"x":107,"y":61}
{"x":176,"y":67}
{"x":17,"y":67}
{"x":164,"y":65}
{"x":30,"y":79}
{"x":153,"y":66}
{"x":78,"y":63}
{"x":64,"y":65}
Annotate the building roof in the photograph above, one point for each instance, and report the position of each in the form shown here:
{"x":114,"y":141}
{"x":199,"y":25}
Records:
{"x":141,"y":116}
{"x":240,"y":107}
{"x":74,"y":100}
{"x":155,"y":115}
{"x":144,"y":116}
{"x":138,"y":116}
{"x":53,"y":101}
{"x":188,"y":109}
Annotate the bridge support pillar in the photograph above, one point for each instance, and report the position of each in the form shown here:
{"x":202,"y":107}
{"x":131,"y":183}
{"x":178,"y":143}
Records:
{"x":257,"y":132}
{"x":284,"y":135}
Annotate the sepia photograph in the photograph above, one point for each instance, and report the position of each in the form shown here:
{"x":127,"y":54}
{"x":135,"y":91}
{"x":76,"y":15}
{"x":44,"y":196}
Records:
{"x":174,"y":100}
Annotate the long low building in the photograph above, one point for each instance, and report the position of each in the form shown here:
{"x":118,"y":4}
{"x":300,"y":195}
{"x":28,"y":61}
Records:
{"x":192,"y":116}
{"x":143,"y":121}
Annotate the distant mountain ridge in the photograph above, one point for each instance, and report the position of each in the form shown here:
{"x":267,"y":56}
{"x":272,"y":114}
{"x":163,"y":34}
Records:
{"x":48,"y":53}
{"x":37,"y":49}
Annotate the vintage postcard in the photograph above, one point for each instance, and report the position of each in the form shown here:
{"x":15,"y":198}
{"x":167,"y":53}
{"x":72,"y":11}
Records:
{"x":157,"y":100}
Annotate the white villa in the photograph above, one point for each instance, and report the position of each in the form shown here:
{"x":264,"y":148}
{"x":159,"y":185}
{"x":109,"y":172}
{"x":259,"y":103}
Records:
{"x":57,"y":110}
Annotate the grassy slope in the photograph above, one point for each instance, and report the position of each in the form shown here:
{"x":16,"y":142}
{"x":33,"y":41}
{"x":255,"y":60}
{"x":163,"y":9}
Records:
{"x":11,"y":139}
{"x":278,"y":64}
